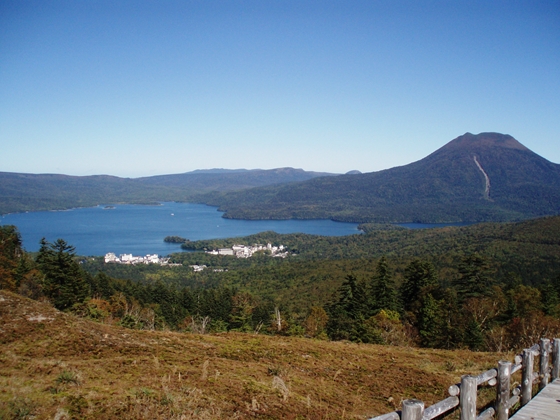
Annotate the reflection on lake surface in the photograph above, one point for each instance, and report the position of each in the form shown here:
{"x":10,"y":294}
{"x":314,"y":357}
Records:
{"x":139,"y":230}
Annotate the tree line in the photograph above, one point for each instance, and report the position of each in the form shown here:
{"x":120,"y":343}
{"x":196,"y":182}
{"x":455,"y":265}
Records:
{"x":472,"y":310}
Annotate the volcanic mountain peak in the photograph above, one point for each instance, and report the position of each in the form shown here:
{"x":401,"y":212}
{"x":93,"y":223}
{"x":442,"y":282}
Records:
{"x":485,"y":140}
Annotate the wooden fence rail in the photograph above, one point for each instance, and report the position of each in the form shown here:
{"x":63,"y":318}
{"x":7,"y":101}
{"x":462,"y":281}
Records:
{"x":464,"y":394}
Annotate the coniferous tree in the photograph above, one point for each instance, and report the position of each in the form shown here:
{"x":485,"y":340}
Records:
{"x":473,"y":336}
{"x":63,"y":282}
{"x":417,"y":275}
{"x":10,"y":254}
{"x":384,"y":295}
{"x":241,"y":318}
{"x":430,"y":321}
{"x":102,"y":286}
{"x":348,"y":309}
{"x":474,"y":280}
{"x":451,"y":334}
{"x":550,"y":297}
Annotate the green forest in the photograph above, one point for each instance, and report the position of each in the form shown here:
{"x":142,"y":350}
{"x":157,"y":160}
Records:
{"x":492,"y":286}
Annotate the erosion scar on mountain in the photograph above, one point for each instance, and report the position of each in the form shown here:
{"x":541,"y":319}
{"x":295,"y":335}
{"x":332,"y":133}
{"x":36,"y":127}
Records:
{"x":487,"y":188}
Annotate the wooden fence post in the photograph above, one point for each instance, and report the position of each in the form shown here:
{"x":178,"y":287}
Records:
{"x":555,"y":359}
{"x":527,"y":377}
{"x":503,"y":386}
{"x":467,"y":390}
{"x":467,"y":397}
{"x":412,"y":410}
{"x":543,"y":363}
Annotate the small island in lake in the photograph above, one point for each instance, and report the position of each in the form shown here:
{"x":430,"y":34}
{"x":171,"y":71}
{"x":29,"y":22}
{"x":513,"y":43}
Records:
{"x":175,"y":240}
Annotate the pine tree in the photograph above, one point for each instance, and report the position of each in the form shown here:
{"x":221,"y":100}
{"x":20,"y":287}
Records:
{"x":550,"y":299}
{"x":63,"y":281}
{"x":242,"y":312}
{"x":451,"y":334}
{"x":417,"y":275}
{"x":473,"y":281}
{"x":473,"y":337}
{"x":347,"y":310}
{"x":10,"y":255}
{"x":384,"y":295}
{"x":429,"y":322}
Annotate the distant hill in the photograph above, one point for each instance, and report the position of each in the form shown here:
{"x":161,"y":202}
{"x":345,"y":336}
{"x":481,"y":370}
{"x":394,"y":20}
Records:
{"x":229,"y":180}
{"x":484,"y":177}
{"x":30,"y":192}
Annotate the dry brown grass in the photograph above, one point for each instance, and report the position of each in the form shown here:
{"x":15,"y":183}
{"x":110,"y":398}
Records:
{"x":54,"y":365}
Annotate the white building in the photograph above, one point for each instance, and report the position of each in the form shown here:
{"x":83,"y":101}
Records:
{"x":110,"y":257}
{"x":151,"y":259}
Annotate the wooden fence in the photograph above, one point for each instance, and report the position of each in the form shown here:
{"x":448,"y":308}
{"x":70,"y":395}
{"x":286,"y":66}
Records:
{"x":464,"y":394}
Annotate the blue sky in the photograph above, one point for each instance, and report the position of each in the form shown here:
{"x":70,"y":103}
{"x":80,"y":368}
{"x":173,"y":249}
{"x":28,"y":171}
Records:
{"x":139,"y":88}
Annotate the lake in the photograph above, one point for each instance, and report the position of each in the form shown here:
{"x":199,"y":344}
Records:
{"x":139,"y":230}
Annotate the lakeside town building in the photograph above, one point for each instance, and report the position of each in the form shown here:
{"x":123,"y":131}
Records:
{"x":246,"y":251}
{"x":110,"y":257}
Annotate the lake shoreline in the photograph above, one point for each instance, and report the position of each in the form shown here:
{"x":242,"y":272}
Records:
{"x":140,"y":229}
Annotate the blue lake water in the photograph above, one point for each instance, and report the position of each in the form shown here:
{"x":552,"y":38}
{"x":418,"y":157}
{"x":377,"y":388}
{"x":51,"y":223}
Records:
{"x":139,"y":230}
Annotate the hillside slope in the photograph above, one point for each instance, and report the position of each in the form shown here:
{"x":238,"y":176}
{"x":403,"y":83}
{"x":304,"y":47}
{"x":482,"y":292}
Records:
{"x":230,"y":180}
{"x":484,"y":177}
{"x":32,"y":192}
{"x":54,"y":363}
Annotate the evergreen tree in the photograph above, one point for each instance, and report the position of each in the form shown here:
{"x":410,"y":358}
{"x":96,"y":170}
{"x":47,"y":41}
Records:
{"x":429,"y":321}
{"x":417,"y":275}
{"x":242,"y":312}
{"x":550,"y":299}
{"x":474,"y":281}
{"x":473,"y":336}
{"x":384,"y":295}
{"x":10,"y":254}
{"x":102,"y":286}
{"x":63,"y":282}
{"x":451,"y":334}
{"x":349,"y":309}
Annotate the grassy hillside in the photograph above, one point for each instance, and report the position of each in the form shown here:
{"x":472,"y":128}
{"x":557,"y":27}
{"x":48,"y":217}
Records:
{"x":54,"y":364}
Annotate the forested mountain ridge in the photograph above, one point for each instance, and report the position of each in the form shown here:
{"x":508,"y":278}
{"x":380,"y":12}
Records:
{"x":229,"y":180}
{"x":31,"y":192}
{"x":484,"y":177}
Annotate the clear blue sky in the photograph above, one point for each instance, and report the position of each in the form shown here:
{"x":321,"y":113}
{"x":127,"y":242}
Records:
{"x":138,"y":88}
